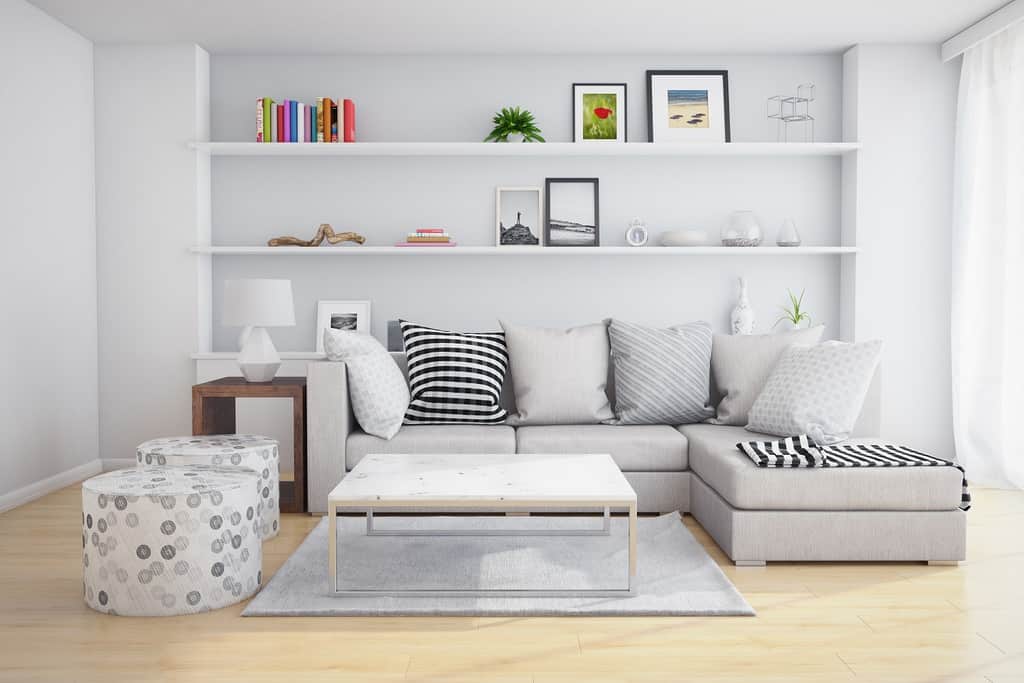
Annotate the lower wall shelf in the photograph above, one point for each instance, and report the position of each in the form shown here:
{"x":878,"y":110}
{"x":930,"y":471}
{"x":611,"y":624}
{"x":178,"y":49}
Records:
{"x":522,"y":251}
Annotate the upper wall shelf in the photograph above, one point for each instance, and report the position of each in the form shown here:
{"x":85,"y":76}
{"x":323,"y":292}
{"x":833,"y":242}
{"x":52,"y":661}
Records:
{"x":548,"y":149}
{"x":522,"y":251}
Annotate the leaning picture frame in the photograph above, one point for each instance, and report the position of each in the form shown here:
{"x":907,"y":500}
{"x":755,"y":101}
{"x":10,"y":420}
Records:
{"x":599,"y":112}
{"x":341,"y":315}
{"x":517,"y":217}
{"x":572,"y":212}
{"x":688,"y":106}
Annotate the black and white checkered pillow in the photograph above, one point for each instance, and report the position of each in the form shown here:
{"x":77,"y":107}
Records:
{"x":454,"y":377}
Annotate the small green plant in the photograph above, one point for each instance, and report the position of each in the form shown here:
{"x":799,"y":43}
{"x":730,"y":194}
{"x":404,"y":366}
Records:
{"x":794,"y":313}
{"x":512,"y":120}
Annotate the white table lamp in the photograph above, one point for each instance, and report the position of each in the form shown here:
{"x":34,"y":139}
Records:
{"x":255,"y":305}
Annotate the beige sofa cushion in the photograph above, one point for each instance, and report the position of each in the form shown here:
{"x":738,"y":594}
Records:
{"x":715,"y":459}
{"x":634,"y":448}
{"x":416,"y":439}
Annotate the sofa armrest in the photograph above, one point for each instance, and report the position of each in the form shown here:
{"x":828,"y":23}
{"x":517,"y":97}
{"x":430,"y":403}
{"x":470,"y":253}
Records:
{"x":329,"y":421}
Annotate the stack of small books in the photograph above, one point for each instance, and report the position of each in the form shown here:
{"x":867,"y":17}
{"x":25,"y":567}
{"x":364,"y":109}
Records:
{"x":428,"y":237}
{"x":291,"y":121}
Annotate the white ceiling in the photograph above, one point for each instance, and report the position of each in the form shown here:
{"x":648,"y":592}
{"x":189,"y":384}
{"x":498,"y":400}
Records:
{"x":532,"y":26}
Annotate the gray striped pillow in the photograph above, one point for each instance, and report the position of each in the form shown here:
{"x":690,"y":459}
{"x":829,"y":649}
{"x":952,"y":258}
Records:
{"x":662,"y":376}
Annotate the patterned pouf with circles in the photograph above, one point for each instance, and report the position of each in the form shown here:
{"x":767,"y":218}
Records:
{"x":258,"y":453}
{"x":159,"y":541}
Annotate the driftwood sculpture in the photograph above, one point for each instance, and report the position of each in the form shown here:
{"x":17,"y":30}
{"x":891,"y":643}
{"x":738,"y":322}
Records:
{"x":325,"y":232}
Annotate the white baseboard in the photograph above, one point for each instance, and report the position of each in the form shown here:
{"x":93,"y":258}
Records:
{"x":117,"y":463}
{"x":58,"y":481}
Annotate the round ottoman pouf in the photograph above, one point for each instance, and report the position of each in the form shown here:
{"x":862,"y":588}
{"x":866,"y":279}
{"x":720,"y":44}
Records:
{"x":159,"y":541}
{"x":258,"y":453}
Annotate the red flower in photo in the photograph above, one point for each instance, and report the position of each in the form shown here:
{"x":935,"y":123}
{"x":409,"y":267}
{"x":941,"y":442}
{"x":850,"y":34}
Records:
{"x":602,"y":112}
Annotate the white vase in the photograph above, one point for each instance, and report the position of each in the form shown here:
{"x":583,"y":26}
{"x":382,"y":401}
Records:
{"x":515,"y":137}
{"x":788,"y":235}
{"x":742,"y":230}
{"x":742,"y":318}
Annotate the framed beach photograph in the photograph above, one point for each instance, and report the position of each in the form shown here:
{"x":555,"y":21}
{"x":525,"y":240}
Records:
{"x":517,"y":217}
{"x":571,"y":216}
{"x":341,"y":315}
{"x":688,"y":106}
{"x":599,"y":112}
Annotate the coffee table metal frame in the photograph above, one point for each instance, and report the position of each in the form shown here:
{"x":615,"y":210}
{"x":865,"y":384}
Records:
{"x":462,"y":503}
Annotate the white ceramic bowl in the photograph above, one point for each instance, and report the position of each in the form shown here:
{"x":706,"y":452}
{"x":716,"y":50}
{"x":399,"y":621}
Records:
{"x":684,"y":238}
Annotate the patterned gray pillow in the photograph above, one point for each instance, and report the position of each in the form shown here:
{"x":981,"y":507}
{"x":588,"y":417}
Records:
{"x":816,"y":390}
{"x":376,"y":385}
{"x":661,"y":374}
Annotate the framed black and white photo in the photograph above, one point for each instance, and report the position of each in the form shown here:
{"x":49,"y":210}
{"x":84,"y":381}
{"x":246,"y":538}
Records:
{"x":341,"y":315}
{"x":517,"y":217}
{"x":571,"y":217}
{"x":599,"y":112}
{"x":688,"y":106}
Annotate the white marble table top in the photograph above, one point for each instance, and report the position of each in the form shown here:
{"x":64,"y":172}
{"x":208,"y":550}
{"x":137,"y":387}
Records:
{"x":470,"y":479}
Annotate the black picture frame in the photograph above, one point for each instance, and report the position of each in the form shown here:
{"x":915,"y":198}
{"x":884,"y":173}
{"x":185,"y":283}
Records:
{"x":548,"y":182}
{"x":687,"y":72}
{"x":624,"y":118}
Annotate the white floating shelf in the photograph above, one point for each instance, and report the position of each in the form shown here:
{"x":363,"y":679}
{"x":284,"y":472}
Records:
{"x":547,"y":149}
{"x":232,"y":355}
{"x":523,"y":251}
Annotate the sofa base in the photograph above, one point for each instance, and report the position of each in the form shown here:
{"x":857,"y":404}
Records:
{"x":753,"y":537}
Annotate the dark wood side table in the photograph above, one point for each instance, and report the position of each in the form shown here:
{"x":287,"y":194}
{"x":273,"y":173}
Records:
{"x":213,"y":412}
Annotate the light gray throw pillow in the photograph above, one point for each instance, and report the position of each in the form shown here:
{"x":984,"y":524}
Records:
{"x":559,"y":376}
{"x":816,"y":390}
{"x":741,"y":364}
{"x":376,"y":385}
{"x":661,"y":374}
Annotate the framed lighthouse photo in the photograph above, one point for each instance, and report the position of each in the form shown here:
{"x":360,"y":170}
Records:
{"x":599,"y":112}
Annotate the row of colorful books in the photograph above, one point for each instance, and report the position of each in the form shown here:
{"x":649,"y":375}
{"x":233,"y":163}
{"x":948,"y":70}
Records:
{"x":428,"y":237}
{"x":291,"y":121}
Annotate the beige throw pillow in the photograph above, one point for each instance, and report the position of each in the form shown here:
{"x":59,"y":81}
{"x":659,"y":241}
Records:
{"x":742,"y":363}
{"x":559,"y":376}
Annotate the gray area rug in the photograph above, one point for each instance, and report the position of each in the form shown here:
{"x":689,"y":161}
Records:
{"x":675,"y":577}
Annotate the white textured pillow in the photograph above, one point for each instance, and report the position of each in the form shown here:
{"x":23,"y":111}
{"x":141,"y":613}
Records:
{"x":816,"y":390}
{"x":559,"y":376}
{"x":376,"y":385}
{"x":741,"y":364}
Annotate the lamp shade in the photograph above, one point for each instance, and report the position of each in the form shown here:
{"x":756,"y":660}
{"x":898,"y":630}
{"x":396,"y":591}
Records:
{"x":259,"y":303}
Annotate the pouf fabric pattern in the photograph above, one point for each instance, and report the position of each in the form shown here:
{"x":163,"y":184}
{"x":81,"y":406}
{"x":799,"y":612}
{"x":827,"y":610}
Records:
{"x":166,"y":541}
{"x":257,"y":453}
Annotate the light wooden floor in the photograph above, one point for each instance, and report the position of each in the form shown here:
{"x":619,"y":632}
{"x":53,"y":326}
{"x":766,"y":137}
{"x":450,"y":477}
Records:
{"x":842,"y":622}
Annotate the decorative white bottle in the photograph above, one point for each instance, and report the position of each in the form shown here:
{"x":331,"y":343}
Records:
{"x":742,"y":318}
{"x":788,"y":235}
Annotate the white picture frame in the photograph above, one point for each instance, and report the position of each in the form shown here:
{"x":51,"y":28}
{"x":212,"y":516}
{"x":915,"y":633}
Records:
{"x":354,"y":315}
{"x":519,"y":207}
{"x":594,"y":121}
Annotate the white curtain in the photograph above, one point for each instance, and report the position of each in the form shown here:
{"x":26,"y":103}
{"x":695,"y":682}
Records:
{"x":988,"y":263}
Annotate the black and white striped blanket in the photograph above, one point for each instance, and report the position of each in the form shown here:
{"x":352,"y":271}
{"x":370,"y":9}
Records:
{"x":802,"y":451}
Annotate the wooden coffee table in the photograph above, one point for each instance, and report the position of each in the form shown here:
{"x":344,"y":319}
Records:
{"x":514,"y":482}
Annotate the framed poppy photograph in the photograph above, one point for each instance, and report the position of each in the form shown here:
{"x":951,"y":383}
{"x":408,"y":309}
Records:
{"x":599,"y":112}
{"x":687,"y":106}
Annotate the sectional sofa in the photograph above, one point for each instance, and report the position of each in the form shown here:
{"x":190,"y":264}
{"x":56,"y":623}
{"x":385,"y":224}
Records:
{"x":755,"y":515}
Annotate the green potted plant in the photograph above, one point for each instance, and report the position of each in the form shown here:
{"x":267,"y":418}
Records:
{"x":794,"y":314}
{"x":515,"y":122}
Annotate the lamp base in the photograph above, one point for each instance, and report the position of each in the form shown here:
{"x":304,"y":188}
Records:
{"x":259,"y":372}
{"x":258,"y":360}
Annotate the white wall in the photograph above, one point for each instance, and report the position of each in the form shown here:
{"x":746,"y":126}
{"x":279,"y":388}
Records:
{"x":902,"y":107}
{"x":453,"y":98}
{"x":152,"y":204}
{"x":48,"y":258}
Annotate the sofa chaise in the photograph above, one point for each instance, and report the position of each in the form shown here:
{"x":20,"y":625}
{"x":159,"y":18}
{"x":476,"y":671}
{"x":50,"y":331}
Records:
{"x":755,"y":515}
